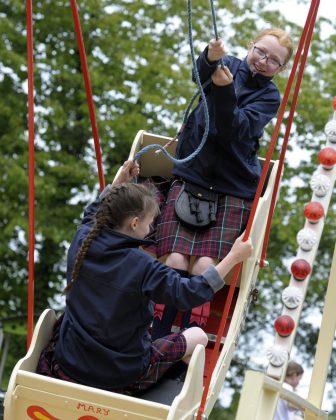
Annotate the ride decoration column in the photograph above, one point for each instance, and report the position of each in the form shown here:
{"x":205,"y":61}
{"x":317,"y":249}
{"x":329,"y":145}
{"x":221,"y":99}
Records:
{"x":308,"y":238}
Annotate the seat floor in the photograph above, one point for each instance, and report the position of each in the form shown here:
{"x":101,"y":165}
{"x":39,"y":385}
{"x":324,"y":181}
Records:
{"x":168,"y":387}
{"x":163,"y":392}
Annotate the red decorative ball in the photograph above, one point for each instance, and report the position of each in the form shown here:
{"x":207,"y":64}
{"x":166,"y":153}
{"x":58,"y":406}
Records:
{"x":300,"y":269}
{"x":313,"y":211}
{"x":334,"y":103}
{"x":327,"y":157}
{"x":284,"y":325}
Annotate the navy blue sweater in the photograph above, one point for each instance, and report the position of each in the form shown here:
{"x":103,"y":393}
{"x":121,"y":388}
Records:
{"x":104,"y":340}
{"x":238,"y":113}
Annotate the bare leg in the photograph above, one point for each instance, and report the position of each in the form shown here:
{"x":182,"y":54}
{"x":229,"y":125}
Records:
{"x":179,"y":261}
{"x":201,"y":264}
{"x":193,"y":336}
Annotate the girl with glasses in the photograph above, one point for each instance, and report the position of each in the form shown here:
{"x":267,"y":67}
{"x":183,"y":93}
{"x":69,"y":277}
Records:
{"x":242,"y":99}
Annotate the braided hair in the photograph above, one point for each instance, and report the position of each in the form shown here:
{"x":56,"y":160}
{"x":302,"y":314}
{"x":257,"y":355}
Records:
{"x":121,"y":202}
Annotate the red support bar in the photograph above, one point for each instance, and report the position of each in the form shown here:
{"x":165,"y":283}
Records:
{"x":303,"y":42}
{"x":87,"y":83}
{"x":31,"y":188}
{"x":287,"y":133}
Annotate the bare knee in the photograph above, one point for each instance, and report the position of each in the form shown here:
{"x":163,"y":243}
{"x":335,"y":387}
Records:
{"x":201,"y":264}
{"x":179,"y":261}
{"x":194,"y":336}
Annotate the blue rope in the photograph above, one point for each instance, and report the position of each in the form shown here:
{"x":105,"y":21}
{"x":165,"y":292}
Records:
{"x":200,"y":91}
{"x":214,"y":24}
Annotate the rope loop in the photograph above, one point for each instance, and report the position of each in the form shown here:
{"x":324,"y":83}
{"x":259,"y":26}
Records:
{"x":200,"y":91}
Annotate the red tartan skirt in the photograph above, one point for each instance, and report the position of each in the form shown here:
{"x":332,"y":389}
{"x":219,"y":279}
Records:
{"x":165,"y":352}
{"x":216,"y":241}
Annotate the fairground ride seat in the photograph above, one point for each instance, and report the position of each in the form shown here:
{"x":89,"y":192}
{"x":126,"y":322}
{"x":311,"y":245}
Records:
{"x":153,"y":165}
{"x":33,"y":396}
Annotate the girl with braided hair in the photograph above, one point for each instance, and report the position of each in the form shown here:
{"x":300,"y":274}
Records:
{"x":103,"y":338}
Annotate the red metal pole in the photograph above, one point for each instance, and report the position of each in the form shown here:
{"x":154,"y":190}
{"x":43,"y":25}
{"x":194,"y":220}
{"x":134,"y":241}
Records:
{"x":307,"y":29}
{"x":87,"y":83}
{"x":287,"y":133}
{"x":31,"y":188}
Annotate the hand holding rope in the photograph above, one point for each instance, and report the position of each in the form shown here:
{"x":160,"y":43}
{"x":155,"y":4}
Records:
{"x":200,"y":92}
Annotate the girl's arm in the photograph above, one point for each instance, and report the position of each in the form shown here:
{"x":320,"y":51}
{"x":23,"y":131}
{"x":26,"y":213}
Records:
{"x":243,"y":122}
{"x":164,"y":285}
{"x":240,"y":251}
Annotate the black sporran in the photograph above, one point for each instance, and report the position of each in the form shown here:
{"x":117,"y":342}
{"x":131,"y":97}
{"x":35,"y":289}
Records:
{"x":196,"y":207}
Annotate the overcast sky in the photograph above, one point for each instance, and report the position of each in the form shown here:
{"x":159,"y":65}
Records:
{"x":297,"y":12}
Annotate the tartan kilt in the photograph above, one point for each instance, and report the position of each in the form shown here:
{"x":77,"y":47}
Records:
{"x":47,"y":364}
{"x":164,"y":353}
{"x":216,"y":241}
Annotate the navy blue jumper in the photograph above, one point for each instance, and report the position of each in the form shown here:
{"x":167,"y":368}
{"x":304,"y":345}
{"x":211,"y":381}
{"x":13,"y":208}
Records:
{"x":104,"y":337}
{"x":238,"y":112}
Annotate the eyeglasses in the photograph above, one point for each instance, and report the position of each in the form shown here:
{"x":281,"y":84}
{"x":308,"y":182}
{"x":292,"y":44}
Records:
{"x":272,"y":62}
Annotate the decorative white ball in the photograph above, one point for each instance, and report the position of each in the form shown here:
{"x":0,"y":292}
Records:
{"x":292,"y":297}
{"x":320,"y":184}
{"x":277,"y":355}
{"x":330,"y":130}
{"x":306,"y":239}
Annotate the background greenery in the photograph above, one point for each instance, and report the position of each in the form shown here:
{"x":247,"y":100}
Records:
{"x":140,"y":65}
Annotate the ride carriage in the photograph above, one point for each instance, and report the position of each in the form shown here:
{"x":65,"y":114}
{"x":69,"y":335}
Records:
{"x":33,"y":396}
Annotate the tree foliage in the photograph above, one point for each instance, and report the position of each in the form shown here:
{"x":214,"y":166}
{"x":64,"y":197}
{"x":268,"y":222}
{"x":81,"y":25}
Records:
{"x":140,"y":66}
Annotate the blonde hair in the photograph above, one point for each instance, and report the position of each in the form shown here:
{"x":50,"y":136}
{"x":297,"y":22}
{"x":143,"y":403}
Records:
{"x":283,"y":37}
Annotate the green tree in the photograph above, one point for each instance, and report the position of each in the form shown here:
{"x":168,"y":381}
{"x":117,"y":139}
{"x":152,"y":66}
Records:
{"x":140,"y":79}
{"x":139,"y":61}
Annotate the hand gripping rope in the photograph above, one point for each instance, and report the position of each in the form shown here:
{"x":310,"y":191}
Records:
{"x":200,"y":91}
